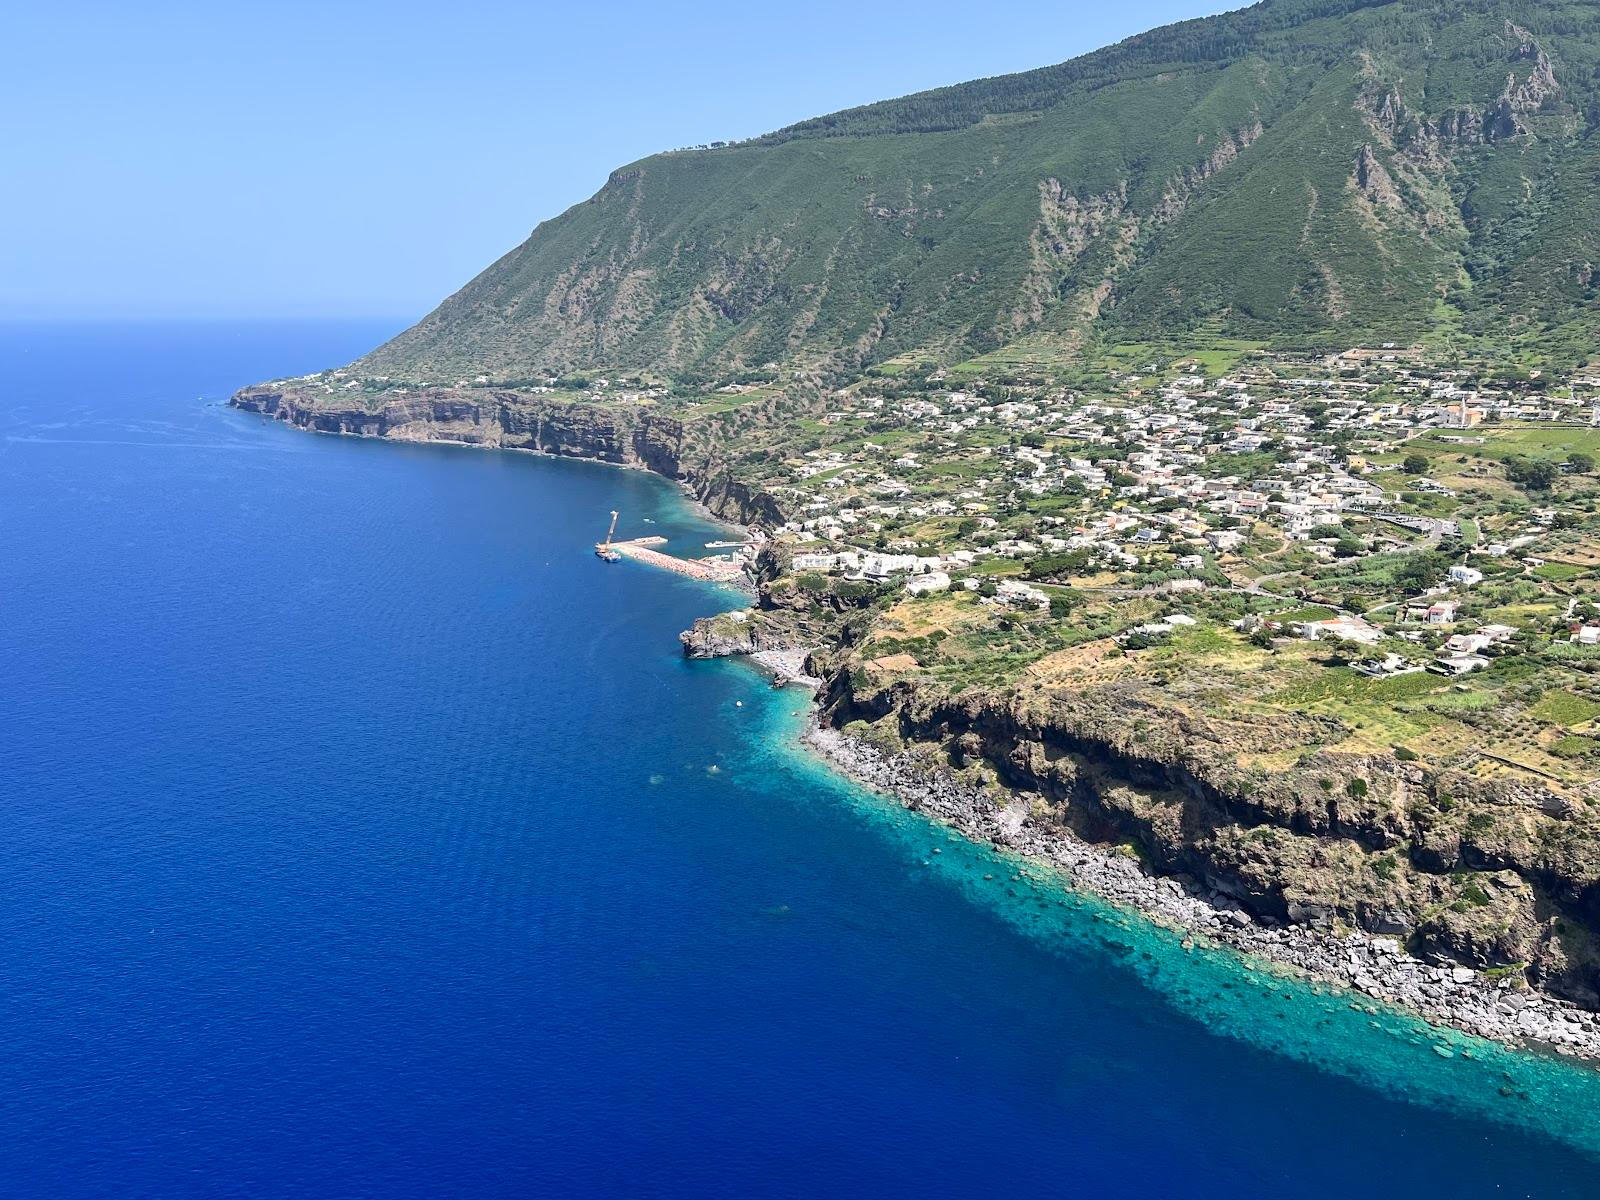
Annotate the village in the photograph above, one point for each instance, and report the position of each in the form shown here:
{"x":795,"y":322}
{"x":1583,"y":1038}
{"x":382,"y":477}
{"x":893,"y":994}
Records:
{"x":1369,"y":513}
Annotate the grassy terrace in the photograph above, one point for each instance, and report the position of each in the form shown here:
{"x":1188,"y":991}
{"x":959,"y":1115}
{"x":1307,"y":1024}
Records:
{"x":1521,"y":716}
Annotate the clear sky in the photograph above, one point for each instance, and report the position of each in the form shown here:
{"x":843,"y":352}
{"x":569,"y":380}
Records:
{"x":289,"y":158}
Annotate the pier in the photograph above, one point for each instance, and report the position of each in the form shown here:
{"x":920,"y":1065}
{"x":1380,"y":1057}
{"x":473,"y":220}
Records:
{"x":717,"y":570}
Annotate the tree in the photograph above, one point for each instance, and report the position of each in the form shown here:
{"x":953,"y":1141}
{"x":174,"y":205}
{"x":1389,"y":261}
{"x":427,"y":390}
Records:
{"x":1421,"y":569}
{"x":1050,"y":566}
{"x":1414,"y":464}
{"x":1580,"y":462}
{"x":1534,"y":474}
{"x":1348,"y":546}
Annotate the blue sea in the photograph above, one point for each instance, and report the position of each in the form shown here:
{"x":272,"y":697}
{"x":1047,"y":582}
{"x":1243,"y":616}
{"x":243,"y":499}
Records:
{"x":364,"y":835}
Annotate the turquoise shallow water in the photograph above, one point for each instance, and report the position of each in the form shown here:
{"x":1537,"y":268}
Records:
{"x":363,"y":839}
{"x":1253,"y":1001}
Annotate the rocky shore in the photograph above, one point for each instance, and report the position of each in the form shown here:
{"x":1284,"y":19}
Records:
{"x":1499,"y":1006}
{"x":786,"y":667}
{"x":1501,"y":1009}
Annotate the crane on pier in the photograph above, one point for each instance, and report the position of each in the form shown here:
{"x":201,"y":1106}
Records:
{"x":603,"y":549}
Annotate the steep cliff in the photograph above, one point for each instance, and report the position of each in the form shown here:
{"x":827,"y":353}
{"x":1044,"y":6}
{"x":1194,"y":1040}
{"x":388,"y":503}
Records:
{"x":785,"y":615}
{"x":631,"y":436}
{"x":1496,"y":876}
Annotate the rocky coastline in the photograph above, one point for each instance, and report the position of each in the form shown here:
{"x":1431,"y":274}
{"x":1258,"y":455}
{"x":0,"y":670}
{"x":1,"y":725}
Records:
{"x":508,"y":419}
{"x":1501,"y":1008}
{"x":1374,"y":966}
{"x":787,"y":667}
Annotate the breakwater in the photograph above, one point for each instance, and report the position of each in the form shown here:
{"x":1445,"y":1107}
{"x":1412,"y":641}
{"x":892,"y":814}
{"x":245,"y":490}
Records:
{"x":713,"y":570}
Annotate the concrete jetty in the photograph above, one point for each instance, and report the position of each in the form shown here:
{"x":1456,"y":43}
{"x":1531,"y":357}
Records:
{"x":717,"y":570}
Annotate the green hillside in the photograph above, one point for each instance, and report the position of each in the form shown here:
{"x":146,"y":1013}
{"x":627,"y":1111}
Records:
{"x":1298,"y":171}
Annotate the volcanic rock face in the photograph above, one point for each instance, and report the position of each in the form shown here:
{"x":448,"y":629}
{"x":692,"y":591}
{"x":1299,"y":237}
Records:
{"x":725,"y":635}
{"x":1466,"y":870}
{"x":514,"y":420}
{"x":1485,"y":1003}
{"x":501,"y":419}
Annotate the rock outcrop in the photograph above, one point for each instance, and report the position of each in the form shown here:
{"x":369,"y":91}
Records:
{"x":508,"y":419}
{"x":1490,"y":1004}
{"x":785,"y":615}
{"x":1463,"y":870}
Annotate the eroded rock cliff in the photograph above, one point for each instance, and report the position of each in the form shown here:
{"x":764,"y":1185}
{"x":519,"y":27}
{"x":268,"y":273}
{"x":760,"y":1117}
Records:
{"x":1500,"y":877}
{"x":631,"y":436}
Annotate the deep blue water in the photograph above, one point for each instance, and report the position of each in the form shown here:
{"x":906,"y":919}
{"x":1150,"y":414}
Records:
{"x":362,"y":838}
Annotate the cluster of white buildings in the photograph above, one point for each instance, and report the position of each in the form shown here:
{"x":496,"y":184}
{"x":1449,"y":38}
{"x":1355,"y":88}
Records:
{"x":1176,"y":475}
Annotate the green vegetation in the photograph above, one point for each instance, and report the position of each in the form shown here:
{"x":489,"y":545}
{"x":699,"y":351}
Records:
{"x":1277,"y":175}
{"x":1564,"y":708}
{"x":1535,"y":474}
{"x":1559,"y":572}
{"x":1342,"y":684}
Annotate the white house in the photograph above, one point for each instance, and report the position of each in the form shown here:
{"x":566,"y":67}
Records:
{"x":1341,"y":629}
{"x":923,"y":585}
{"x":1457,"y":664}
{"x":1011,"y":591}
{"x":881,"y":566}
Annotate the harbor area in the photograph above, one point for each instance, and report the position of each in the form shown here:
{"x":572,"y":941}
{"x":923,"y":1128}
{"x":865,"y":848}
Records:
{"x":727,"y":568}
{"x":718,"y":569}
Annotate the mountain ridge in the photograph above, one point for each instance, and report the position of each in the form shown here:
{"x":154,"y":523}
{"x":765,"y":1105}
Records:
{"x":1320,"y":171}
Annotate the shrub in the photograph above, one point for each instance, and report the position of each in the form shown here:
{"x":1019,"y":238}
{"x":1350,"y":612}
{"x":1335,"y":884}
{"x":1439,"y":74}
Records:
{"x":1534,"y":474}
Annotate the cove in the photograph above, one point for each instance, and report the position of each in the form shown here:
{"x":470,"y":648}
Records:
{"x":368,"y":837}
